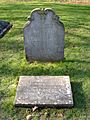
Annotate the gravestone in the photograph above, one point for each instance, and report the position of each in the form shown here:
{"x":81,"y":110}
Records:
{"x":4,"y":27}
{"x":44,"y":91}
{"x":44,"y":41}
{"x":44,"y":36}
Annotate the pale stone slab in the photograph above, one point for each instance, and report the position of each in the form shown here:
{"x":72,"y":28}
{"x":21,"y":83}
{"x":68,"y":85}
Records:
{"x":41,"y":91}
{"x":44,"y":36}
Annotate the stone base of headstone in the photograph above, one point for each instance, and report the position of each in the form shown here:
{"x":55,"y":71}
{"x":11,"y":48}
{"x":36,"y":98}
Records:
{"x":4,"y":27}
{"x":44,"y":91}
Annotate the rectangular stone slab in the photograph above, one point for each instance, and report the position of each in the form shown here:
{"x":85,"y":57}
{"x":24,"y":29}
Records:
{"x":44,"y":91}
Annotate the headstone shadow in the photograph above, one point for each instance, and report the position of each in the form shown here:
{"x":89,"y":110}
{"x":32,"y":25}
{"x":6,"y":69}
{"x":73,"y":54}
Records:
{"x":76,"y":60}
{"x":78,"y":95}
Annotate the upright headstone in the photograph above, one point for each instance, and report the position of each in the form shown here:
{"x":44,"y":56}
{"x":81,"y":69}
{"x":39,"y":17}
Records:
{"x":44,"y":41}
{"x":44,"y":36}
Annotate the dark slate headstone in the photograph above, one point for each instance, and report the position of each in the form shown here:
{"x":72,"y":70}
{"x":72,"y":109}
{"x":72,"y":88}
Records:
{"x":4,"y":27}
{"x":44,"y":91}
{"x":44,"y":36}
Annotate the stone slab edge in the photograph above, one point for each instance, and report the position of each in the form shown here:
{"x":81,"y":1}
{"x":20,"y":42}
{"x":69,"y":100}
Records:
{"x":46,"y":105}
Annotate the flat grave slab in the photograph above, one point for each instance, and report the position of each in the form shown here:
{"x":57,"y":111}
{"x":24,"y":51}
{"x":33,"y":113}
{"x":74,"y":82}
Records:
{"x":44,"y":91}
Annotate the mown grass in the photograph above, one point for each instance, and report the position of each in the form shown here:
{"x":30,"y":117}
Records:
{"x":76,"y":64}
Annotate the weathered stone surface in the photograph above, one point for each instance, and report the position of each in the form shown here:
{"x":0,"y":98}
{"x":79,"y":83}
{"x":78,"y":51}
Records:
{"x":41,"y":91}
{"x":44,"y":36}
{"x":4,"y":27}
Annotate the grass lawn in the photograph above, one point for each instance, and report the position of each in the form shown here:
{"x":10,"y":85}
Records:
{"x":76,"y":64}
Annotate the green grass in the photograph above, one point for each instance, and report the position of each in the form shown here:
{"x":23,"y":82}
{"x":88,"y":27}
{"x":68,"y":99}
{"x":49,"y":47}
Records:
{"x":76,"y":64}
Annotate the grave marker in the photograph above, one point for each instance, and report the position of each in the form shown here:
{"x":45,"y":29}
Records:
{"x":44,"y":36}
{"x":44,"y":91}
{"x":44,"y":41}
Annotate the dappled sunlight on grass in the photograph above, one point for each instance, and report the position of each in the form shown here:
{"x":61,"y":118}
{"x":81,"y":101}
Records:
{"x":76,"y":61}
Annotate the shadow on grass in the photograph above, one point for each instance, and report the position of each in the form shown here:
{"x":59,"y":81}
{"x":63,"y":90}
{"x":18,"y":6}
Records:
{"x":82,"y":41}
{"x":78,"y":95}
{"x":40,"y":69}
{"x":77,"y":60}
